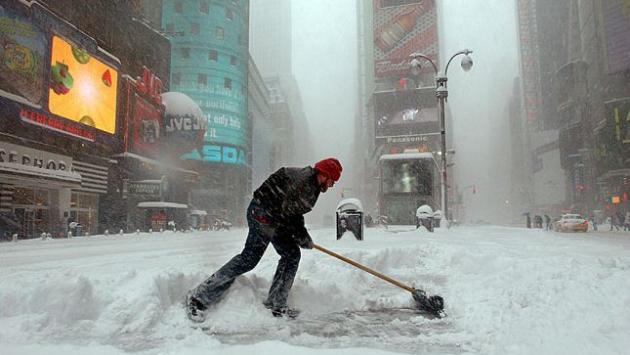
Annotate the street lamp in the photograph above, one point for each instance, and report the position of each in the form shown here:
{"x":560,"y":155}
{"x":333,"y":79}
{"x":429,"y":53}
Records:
{"x":441,"y":93}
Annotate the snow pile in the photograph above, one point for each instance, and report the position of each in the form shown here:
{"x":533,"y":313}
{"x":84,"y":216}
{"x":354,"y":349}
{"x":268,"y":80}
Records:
{"x":507,"y":291}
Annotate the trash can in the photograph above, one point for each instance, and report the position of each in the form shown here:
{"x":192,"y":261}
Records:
{"x":424,"y":217}
{"x":437,"y":217}
{"x":350,"y":218}
{"x":78,"y":230}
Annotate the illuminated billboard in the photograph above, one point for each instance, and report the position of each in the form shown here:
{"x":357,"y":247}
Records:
{"x":402,"y":27}
{"x":23,"y":49}
{"x":82,"y":88}
{"x":405,"y":112}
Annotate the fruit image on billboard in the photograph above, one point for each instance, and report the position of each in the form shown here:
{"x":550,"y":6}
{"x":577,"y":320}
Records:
{"x":82,"y":88}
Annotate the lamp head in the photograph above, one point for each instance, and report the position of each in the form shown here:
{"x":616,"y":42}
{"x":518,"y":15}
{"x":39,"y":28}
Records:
{"x":415,"y":66}
{"x":467,"y":62}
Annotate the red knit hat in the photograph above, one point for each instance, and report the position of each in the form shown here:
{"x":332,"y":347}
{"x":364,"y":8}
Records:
{"x":330,"y":167}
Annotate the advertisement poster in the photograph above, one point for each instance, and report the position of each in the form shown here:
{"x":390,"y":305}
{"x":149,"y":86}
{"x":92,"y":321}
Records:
{"x":407,"y":112}
{"x":226,"y":132}
{"x":82,"y":88}
{"x":613,"y":139}
{"x":616,"y":14}
{"x":23,"y":49}
{"x":403,"y":27}
{"x":145,"y":127}
{"x":530,"y":58}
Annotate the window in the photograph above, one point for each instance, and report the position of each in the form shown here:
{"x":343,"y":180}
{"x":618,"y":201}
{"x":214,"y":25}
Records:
{"x":185,"y":52}
{"x":204,"y":7}
{"x":220,"y":33}
{"x":84,"y":210}
{"x":42,"y":197}
{"x":212,"y":55}
{"x":202,"y":79}
{"x":227,"y":83}
{"x":179,"y":7}
{"x":233,"y":60}
{"x":176,"y":78}
{"x":229,"y":14}
{"x":23,"y":196}
{"x":194,"y":28}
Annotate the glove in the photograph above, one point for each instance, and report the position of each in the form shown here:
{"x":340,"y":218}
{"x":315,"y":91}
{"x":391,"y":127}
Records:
{"x":305,"y":242}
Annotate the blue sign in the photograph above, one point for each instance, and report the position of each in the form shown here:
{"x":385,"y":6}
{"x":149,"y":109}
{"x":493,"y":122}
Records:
{"x":218,"y":154}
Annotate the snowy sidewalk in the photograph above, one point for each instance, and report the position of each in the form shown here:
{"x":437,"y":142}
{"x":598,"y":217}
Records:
{"x":507,"y":291}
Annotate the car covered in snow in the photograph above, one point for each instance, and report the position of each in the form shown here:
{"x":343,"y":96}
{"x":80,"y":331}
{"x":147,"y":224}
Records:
{"x":571,"y":223}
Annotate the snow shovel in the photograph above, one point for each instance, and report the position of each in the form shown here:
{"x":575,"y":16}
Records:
{"x":430,"y":304}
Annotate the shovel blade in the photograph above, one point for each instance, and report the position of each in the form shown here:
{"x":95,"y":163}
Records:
{"x":431,"y":304}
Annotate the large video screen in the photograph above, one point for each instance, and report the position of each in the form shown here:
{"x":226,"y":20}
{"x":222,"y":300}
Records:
{"x":406,"y":112}
{"x":23,"y":51}
{"x":408,"y":176}
{"x":82,"y":88}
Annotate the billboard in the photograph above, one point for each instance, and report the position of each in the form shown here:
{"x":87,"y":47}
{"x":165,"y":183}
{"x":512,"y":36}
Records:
{"x":225,"y":136}
{"x":530,"y":58}
{"x":23,"y":49}
{"x":613,"y":139}
{"x":142,"y":109}
{"x":82,"y":88}
{"x":616,"y":17}
{"x":405,"y":112}
{"x":145,"y":127}
{"x":402,"y":27}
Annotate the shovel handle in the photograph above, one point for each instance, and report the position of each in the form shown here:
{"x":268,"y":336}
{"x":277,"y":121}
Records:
{"x":364,"y":268}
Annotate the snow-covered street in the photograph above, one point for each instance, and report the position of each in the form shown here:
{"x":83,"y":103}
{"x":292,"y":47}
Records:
{"x":507,"y":291}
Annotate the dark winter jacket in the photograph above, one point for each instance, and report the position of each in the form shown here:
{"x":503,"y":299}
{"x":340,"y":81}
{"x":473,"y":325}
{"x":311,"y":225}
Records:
{"x":287,"y":195}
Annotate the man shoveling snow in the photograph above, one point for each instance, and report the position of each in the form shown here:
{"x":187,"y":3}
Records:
{"x":275,"y":215}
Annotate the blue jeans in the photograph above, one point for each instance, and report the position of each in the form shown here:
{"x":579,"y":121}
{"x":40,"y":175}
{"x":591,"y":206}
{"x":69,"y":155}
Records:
{"x":262,"y":231}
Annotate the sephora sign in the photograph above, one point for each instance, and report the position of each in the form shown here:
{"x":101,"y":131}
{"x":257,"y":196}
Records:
{"x":184,"y":124}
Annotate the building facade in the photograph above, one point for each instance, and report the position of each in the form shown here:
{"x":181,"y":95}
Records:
{"x":263,"y":132}
{"x":575,"y":67}
{"x":397,"y":108}
{"x":271,"y":49}
{"x":209,"y":63}
{"x":93,"y":111}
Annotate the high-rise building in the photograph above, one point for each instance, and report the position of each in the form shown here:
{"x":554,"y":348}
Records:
{"x":575,"y":71}
{"x":270,"y":31}
{"x":260,"y":112}
{"x":542,"y":31}
{"x":397,"y":110}
{"x":209,"y":64}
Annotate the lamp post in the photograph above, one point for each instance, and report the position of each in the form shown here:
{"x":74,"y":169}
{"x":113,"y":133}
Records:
{"x":441,"y":92}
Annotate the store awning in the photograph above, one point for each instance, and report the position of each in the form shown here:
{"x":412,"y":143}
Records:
{"x":615,"y":173}
{"x":31,"y":175}
{"x":161,"y":204}
{"x":199,"y":212}
{"x":164,"y":166}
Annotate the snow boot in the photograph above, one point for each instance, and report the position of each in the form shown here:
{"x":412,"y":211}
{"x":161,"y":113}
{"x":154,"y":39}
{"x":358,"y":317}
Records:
{"x":195,"y":310}
{"x":282,"y":311}
{"x":279,"y":312}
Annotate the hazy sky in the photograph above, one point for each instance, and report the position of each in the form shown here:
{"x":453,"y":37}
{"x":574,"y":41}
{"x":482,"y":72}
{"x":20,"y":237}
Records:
{"x":478,"y":99}
{"x":325,"y":62}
